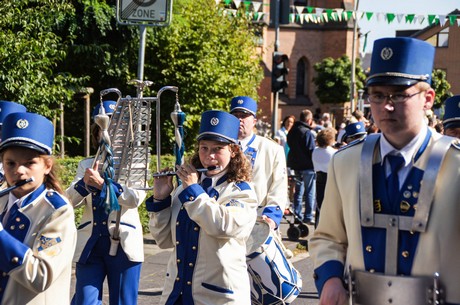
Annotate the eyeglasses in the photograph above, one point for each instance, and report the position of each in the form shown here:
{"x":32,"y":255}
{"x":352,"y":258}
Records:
{"x":398,"y":98}
{"x":241,"y":115}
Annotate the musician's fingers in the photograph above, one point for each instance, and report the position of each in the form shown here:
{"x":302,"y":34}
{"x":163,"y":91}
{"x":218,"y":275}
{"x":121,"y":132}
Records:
{"x":96,"y":165}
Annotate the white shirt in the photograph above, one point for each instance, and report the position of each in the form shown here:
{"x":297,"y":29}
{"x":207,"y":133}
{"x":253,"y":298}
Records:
{"x":321,"y":157}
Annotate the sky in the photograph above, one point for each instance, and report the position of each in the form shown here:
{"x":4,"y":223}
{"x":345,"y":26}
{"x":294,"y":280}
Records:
{"x":378,"y":29}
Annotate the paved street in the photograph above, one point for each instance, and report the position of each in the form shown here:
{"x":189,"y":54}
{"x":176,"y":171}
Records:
{"x":156,"y":259}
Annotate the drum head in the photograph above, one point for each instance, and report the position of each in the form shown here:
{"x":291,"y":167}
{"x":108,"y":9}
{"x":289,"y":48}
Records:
{"x":258,"y":236}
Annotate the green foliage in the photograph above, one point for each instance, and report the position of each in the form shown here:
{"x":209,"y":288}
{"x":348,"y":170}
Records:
{"x":30,"y":52}
{"x":441,"y":86}
{"x":334,"y":77}
{"x":209,"y":56}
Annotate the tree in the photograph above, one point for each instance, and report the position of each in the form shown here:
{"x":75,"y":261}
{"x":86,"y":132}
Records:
{"x":209,"y":55}
{"x":441,"y":86}
{"x":30,"y":51}
{"x":334,"y":77}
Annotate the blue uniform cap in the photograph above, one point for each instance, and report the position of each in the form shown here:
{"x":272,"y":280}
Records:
{"x":243,"y":104}
{"x":7,"y":107}
{"x":401,"y":61}
{"x":109,"y":108}
{"x":452,"y":112}
{"x":29,"y":130}
{"x":219,"y":126}
{"x":355,"y":129}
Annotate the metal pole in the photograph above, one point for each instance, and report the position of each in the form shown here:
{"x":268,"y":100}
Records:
{"x":353,"y":59}
{"x":276,"y":21}
{"x":140,"y":67}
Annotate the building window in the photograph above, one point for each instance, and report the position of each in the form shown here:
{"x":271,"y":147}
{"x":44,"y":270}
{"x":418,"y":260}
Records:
{"x":440,"y":39}
{"x":302,"y":78}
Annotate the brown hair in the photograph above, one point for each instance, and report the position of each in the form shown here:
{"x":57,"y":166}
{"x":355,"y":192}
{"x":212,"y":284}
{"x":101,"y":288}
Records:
{"x":52,"y":180}
{"x":326,"y":137}
{"x":239,"y":168}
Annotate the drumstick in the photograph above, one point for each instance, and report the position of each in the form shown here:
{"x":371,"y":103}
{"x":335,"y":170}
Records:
{"x":19,"y":184}
{"x":200,"y":170}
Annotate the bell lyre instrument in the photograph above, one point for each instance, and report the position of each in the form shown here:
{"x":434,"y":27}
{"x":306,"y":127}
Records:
{"x":124,"y":148}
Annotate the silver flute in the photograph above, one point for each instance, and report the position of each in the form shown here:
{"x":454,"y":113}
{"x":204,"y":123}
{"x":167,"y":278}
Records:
{"x":200,"y":170}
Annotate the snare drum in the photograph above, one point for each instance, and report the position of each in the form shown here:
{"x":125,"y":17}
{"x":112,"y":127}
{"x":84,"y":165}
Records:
{"x":274,"y":280}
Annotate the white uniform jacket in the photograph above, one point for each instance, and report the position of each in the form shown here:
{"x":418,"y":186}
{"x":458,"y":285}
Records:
{"x":37,"y":246}
{"x":340,"y":240}
{"x":269,"y":176}
{"x":208,"y":234}
{"x":131,"y":236}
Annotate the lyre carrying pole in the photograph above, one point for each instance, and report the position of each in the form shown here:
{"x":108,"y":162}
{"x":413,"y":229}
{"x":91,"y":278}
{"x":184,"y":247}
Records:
{"x":158,"y":125}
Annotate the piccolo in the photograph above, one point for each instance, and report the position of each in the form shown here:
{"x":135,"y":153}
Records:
{"x":200,"y":170}
{"x":19,"y":184}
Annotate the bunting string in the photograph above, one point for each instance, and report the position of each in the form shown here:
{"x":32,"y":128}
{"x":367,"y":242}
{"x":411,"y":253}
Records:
{"x":308,"y":14}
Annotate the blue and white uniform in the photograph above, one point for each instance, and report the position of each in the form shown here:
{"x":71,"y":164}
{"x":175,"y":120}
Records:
{"x":341,"y":241}
{"x":94,"y":233}
{"x":208,"y":233}
{"x":37,"y":245}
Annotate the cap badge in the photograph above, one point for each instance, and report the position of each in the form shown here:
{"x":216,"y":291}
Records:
{"x":22,"y":124}
{"x":358,"y":127}
{"x":386,"y":53}
{"x":214,"y":121}
{"x":112,"y":106}
{"x":240,"y":102}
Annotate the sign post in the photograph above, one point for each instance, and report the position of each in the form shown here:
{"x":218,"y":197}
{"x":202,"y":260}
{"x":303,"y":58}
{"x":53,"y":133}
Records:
{"x":144,"y":13}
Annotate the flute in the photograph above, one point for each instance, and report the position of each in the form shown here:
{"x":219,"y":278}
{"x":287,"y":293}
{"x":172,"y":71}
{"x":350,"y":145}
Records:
{"x":200,"y":170}
{"x":19,"y":184}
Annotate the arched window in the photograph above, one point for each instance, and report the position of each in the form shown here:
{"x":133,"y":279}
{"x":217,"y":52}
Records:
{"x":301,"y":88}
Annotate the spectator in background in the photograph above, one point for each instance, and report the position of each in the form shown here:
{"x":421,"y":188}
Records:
{"x":452,"y":117}
{"x":281,"y":134}
{"x":321,"y":157}
{"x":301,"y":140}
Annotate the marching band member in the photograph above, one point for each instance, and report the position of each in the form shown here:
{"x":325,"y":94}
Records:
{"x":451,"y":120}
{"x":93,"y":261}
{"x":269,"y":174}
{"x":37,"y":229}
{"x":389,"y":219}
{"x":207,"y":219}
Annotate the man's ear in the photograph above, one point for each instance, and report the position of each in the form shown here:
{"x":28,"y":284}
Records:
{"x":430,"y":95}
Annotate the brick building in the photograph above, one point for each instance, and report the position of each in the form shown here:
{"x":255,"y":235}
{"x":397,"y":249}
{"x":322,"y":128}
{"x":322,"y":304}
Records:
{"x":305,"y":44}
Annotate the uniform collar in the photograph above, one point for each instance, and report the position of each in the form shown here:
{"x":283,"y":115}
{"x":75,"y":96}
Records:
{"x":407,"y":152}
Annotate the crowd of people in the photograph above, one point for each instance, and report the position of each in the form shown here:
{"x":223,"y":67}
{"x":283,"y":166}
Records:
{"x":378,"y":189}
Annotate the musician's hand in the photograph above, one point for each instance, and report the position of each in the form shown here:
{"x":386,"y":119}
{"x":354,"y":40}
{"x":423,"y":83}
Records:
{"x":187,"y":173}
{"x":333,"y":293}
{"x":92,"y":177}
{"x":162,"y":186}
{"x":269,"y":221}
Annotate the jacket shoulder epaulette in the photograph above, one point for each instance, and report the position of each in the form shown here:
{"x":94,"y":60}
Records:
{"x":55,"y":199}
{"x":243,"y":186}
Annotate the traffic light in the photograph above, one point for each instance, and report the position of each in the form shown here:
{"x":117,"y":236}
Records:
{"x":284,"y":10}
{"x":279,"y":72}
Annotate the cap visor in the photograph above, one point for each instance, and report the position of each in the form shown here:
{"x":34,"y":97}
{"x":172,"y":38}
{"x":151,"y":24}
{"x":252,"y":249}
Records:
{"x":23,"y":144}
{"x":391,"y":81}
{"x":215,"y":138}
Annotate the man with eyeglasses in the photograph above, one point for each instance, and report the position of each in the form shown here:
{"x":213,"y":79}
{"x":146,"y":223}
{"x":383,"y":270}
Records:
{"x":268,"y":160}
{"x":389,"y":228}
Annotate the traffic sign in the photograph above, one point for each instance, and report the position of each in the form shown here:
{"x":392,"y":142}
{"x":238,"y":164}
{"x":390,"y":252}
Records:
{"x":147,"y":12}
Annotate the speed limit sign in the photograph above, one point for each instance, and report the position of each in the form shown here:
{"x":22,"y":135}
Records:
{"x":148,"y":12}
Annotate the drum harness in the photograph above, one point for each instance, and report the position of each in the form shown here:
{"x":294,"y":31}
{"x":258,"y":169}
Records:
{"x":372,"y":288}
